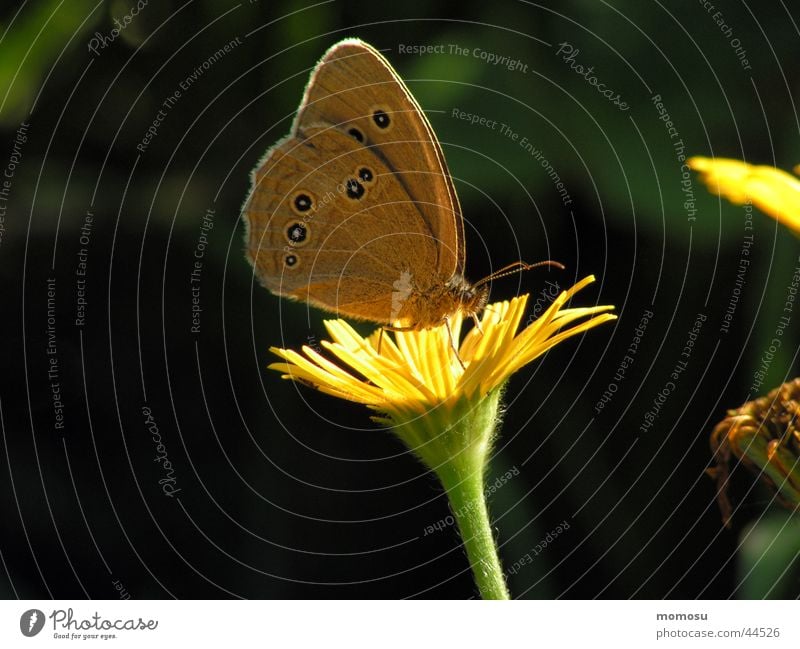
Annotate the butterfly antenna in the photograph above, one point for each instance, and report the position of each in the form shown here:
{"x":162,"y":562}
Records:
{"x":518,"y":267}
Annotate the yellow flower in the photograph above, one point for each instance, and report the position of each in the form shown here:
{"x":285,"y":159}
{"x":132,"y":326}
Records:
{"x":771,"y":190}
{"x":419,"y":370}
{"x":444,"y":404}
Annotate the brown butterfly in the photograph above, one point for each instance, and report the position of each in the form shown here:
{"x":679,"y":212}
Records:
{"x":355,"y":211}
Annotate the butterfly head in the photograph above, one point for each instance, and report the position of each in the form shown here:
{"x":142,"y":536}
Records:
{"x":469,"y":298}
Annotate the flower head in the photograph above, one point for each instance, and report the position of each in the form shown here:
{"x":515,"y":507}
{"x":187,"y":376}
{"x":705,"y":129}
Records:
{"x":764,"y":434}
{"x":408,"y":375}
{"x":771,"y":190}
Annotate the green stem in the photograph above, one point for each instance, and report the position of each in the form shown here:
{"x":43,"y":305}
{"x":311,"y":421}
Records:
{"x":454,"y":441}
{"x":465,"y":491}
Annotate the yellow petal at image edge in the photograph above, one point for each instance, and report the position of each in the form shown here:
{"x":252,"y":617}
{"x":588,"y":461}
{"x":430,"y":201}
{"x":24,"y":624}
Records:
{"x":772,"y":190}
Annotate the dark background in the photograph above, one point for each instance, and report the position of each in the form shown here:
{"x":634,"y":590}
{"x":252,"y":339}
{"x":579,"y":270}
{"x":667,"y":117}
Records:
{"x":287,"y":493}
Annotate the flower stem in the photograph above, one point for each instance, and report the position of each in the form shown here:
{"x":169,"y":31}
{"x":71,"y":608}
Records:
{"x":465,"y":491}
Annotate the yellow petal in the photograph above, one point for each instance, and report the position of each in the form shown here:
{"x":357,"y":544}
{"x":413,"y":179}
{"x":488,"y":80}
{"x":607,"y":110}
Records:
{"x":771,"y":190}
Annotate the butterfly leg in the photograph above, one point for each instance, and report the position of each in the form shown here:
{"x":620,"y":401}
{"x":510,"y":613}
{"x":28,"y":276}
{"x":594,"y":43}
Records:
{"x":453,"y":342}
{"x":477,"y":323}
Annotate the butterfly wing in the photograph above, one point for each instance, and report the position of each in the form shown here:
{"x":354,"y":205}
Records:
{"x":329,"y":223}
{"x":354,"y":88}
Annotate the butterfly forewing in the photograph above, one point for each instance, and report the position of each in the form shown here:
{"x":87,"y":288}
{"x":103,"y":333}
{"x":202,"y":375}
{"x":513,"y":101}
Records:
{"x":356,"y":90}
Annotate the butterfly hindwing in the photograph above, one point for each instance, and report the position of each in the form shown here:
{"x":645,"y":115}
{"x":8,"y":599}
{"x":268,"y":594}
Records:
{"x":330,"y":223}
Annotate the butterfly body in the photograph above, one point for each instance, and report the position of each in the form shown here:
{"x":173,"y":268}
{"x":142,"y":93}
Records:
{"x":430,"y":306}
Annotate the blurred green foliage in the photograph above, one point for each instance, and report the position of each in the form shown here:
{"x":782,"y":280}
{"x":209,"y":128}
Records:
{"x":768,"y":561}
{"x":34,"y":38}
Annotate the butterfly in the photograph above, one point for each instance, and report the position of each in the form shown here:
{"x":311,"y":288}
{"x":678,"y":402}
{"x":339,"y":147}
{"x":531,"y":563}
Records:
{"x":355,"y":210}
